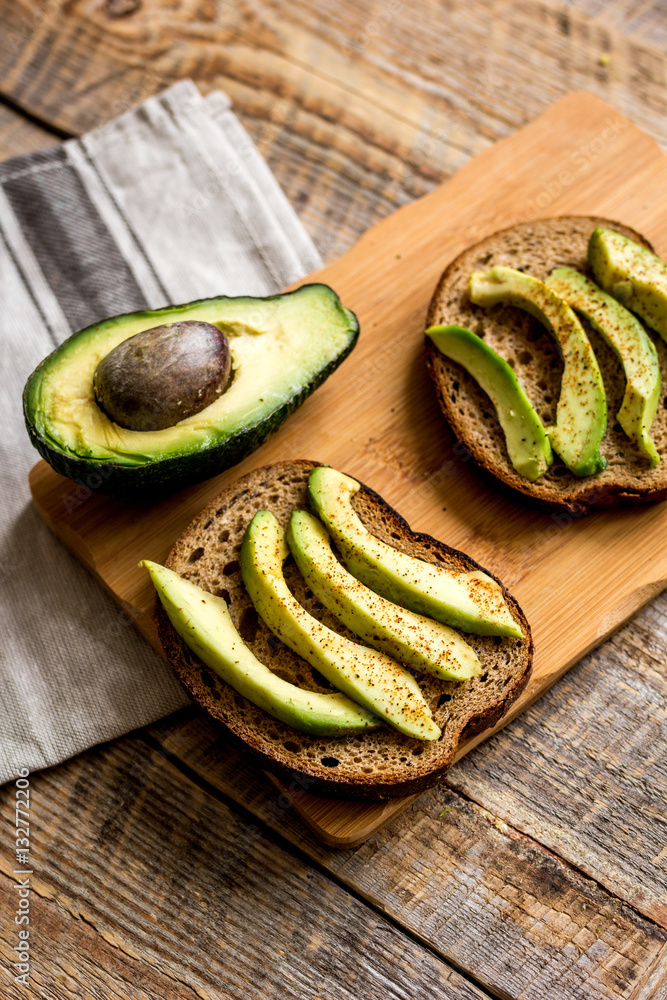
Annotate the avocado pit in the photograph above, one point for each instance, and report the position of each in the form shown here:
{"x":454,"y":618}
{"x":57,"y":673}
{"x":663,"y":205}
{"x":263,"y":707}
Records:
{"x":163,"y":375}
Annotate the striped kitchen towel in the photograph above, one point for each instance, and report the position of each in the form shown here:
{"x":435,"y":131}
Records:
{"x":167,"y":203}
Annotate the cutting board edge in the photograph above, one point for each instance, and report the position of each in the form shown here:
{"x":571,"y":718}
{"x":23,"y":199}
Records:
{"x":394,"y":807}
{"x":329,"y":832}
{"x":366,"y":241}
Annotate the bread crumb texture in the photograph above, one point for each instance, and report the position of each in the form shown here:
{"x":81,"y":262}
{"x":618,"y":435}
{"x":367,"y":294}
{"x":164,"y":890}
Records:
{"x":377,"y":764}
{"x":537,"y":248}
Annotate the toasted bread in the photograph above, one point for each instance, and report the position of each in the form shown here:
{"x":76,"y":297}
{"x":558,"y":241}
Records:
{"x":537,"y":248}
{"x":380,"y":763}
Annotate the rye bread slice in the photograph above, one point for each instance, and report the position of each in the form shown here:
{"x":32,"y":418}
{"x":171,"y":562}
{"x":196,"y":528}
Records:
{"x":381,"y":763}
{"x":537,"y":248}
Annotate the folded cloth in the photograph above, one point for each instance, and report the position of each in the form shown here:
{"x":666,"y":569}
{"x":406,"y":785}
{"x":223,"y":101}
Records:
{"x":167,"y":203}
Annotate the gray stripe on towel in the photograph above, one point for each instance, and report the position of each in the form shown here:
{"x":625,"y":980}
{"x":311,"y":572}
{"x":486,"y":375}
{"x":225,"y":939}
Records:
{"x":75,"y":251}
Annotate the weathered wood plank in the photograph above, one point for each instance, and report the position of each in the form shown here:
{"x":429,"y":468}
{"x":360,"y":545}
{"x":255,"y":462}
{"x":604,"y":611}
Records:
{"x":359,"y":107}
{"x":397,"y":138}
{"x":641,"y":20}
{"x":72,"y":960}
{"x":19,"y":135}
{"x":384,"y":426}
{"x":172,"y":894}
{"x":584,"y":771}
{"x":488,"y":899}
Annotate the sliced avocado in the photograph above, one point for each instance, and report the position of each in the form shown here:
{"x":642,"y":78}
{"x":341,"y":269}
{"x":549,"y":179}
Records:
{"x":205,"y":625}
{"x":632,"y":345}
{"x":282,"y":348}
{"x":413,"y":639}
{"x":471,"y":601}
{"x":527,"y":442}
{"x":370,"y":678}
{"x":632,"y":274}
{"x":581,"y":417}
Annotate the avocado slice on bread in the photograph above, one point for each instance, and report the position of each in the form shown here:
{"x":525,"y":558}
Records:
{"x":581,"y":412}
{"x":204,"y":623}
{"x":629,"y":468}
{"x":632,"y":346}
{"x":471,"y":601}
{"x":380,"y":762}
{"x":528,"y":445}
{"x":371,"y":678}
{"x":418,"y":641}
{"x":632,"y":273}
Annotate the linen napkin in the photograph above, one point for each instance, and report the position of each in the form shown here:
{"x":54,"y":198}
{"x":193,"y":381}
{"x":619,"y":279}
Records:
{"x":168,"y":203}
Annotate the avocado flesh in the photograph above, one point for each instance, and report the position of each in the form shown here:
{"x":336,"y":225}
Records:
{"x":470,"y":601}
{"x":631,"y":344}
{"x":409,"y":638}
{"x":204,"y":623}
{"x":632,"y":274}
{"x":370,"y":678}
{"x":527,"y":442}
{"x":581,"y":416}
{"x":282,"y":347}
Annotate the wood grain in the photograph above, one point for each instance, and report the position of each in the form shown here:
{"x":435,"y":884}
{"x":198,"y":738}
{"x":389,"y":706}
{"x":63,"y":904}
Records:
{"x":18,"y":135}
{"x":385,"y":415}
{"x":74,"y":960}
{"x":359,"y":107}
{"x":487,"y":898}
{"x":460,"y":76}
{"x":173,"y":894}
{"x":597,"y":744}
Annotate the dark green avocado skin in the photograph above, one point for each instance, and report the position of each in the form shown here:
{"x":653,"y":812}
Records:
{"x":177,"y":471}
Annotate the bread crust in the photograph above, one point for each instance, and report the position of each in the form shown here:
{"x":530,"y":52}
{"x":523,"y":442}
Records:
{"x":537,"y":247}
{"x":382,"y":763}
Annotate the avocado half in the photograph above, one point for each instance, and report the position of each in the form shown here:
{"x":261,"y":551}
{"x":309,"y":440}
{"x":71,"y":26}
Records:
{"x":282,"y":348}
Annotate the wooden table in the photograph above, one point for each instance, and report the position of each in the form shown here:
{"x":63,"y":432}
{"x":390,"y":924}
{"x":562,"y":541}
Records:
{"x":539,"y":869}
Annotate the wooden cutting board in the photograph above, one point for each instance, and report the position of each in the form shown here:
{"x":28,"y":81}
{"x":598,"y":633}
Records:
{"x":577,"y":579}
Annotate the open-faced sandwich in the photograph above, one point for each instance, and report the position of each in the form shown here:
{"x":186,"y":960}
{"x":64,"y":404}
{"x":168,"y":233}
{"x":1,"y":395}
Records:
{"x":330,"y":640}
{"x":545,"y":345}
